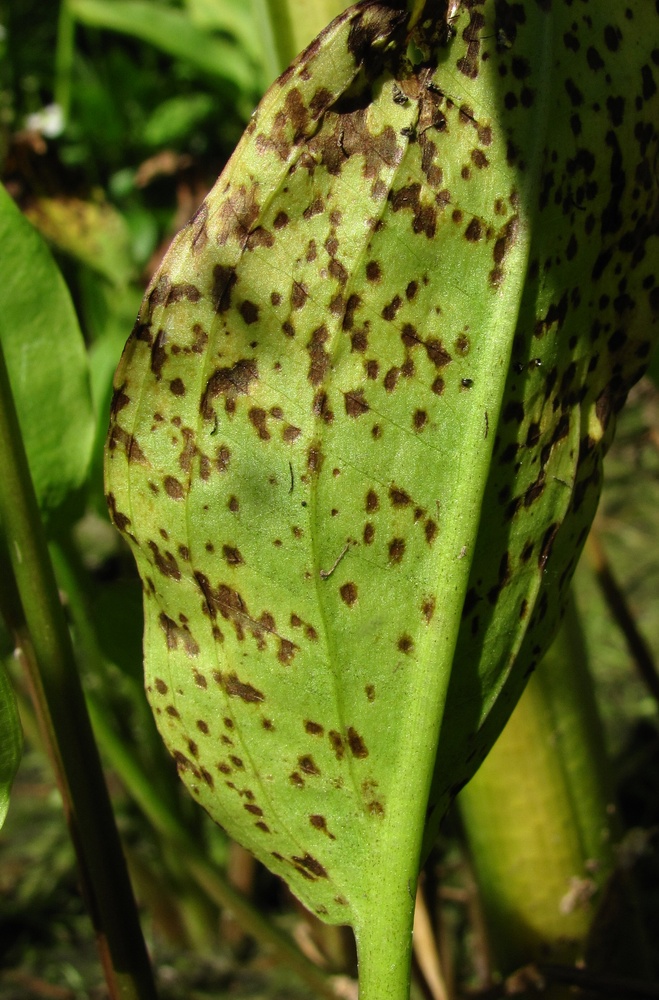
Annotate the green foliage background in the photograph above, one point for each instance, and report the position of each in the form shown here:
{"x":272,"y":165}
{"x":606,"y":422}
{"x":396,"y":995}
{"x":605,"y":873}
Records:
{"x":150,"y":109}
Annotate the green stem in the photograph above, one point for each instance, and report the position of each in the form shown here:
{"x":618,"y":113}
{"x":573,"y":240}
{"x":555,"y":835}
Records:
{"x":64,"y":723}
{"x":384,"y":948}
{"x":288,"y":26}
{"x":148,"y":796}
{"x":64,"y":53}
{"x":538,"y":814}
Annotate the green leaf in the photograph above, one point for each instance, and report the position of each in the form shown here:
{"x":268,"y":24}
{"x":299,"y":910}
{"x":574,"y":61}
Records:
{"x":11,"y":740}
{"x":46,"y":359}
{"x":288,"y":27}
{"x":232,"y":17}
{"x":173,"y":119}
{"x":94,"y":233}
{"x":173,"y":32}
{"x":358,"y":429}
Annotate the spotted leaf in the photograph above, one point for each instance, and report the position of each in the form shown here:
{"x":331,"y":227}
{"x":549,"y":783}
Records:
{"x":357,"y":431}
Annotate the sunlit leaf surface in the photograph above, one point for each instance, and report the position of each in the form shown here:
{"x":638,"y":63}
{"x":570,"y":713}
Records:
{"x":358,"y":429}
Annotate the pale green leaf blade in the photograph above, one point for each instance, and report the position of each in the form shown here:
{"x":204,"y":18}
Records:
{"x":46,"y":359}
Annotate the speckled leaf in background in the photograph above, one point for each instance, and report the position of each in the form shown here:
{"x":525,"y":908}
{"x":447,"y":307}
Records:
{"x":358,"y":429}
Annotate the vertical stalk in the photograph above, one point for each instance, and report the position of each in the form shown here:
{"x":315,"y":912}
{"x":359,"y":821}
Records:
{"x":64,"y":59}
{"x":539,"y":815}
{"x":63,"y":719}
{"x":287,"y":26}
{"x":383,"y":932}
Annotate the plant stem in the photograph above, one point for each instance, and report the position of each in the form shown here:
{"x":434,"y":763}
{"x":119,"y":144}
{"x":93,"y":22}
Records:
{"x":384,"y":946}
{"x":287,"y":26}
{"x":538,"y":814}
{"x":64,"y":58}
{"x":64,"y":723}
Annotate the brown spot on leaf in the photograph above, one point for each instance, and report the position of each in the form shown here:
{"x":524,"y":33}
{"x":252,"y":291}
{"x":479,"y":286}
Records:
{"x":232,"y":555}
{"x":229,"y":382}
{"x":286,"y":651}
{"x":398,"y":497}
{"x":299,"y":295}
{"x":249,"y":312}
{"x":319,"y":823}
{"x":357,"y":746}
{"x":337,"y":744}
{"x":310,"y":866}
{"x":405,"y":644}
{"x":474,"y":231}
{"x":373,"y":271}
{"x":235,"y":688}
{"x":320,"y":359}
{"x":224,"y":279}
{"x":166,"y":563}
{"x":396,"y":549}
{"x":437,"y":353}
{"x":308,"y":765}
{"x":258,"y":420}
{"x":355,"y":403}
{"x":428,"y":608}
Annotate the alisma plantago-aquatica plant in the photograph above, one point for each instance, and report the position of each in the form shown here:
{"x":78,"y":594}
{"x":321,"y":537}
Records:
{"x":357,"y":431}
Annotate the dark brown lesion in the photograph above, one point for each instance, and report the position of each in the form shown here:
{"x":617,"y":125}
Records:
{"x":398,"y":497}
{"x":309,"y":867}
{"x":228,"y":382}
{"x":337,"y":744}
{"x":308,"y":765}
{"x":120,"y":520}
{"x":355,"y":403}
{"x":319,"y":358}
{"x":234,"y":687}
{"x":166,"y":562}
{"x":356,"y":743}
{"x":175,"y":634}
{"x":319,"y":823}
{"x":120,"y":438}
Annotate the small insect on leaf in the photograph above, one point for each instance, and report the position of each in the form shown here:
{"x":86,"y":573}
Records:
{"x":358,"y":429}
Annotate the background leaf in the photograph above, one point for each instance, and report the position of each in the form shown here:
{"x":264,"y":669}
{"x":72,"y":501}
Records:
{"x":11,"y":740}
{"x":46,"y":359}
{"x":171,"y":31}
{"x":92,"y":232}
